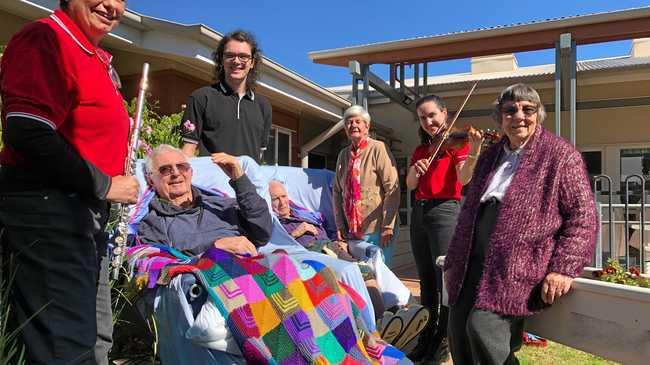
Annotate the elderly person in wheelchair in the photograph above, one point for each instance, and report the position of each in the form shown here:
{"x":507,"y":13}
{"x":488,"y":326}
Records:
{"x":388,"y":294}
{"x":183,"y":218}
{"x":188,"y":219}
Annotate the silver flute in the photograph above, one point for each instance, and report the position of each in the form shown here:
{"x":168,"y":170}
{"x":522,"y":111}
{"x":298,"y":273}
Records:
{"x":121,"y":231}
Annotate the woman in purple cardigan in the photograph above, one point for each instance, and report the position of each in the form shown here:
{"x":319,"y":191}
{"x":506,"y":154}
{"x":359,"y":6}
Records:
{"x":527,"y":228}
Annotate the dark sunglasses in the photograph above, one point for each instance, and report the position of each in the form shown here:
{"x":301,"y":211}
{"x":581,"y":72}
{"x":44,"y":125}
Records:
{"x":166,"y":170}
{"x":513,"y":109}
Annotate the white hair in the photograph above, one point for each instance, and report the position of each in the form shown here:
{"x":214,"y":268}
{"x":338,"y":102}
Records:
{"x":148,"y":162}
{"x":277,"y":182}
{"x":357,"y":111}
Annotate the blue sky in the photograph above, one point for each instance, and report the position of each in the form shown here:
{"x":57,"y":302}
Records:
{"x":288,"y":30}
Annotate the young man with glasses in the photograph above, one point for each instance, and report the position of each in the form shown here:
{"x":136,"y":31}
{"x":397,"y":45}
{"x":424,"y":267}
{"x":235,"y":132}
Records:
{"x":229,"y":116}
{"x":192,"y":220}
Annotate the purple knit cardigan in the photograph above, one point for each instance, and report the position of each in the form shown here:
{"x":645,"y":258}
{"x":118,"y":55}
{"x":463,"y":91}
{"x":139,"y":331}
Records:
{"x":546,"y":223}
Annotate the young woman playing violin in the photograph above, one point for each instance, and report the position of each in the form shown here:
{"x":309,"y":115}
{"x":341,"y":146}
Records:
{"x":437,"y":183}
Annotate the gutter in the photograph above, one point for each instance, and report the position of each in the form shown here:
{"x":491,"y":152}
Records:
{"x":627,"y":14}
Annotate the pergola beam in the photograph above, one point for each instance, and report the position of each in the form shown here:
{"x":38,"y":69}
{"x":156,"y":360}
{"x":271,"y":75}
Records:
{"x":528,"y":37}
{"x":362,"y":72}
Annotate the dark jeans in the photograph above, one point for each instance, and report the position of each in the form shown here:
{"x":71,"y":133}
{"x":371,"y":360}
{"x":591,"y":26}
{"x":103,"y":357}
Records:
{"x":58,"y":244}
{"x":432,"y":227}
{"x":477,"y":336}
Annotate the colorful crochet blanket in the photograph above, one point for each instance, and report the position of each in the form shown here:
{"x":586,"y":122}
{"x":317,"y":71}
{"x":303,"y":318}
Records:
{"x":279,"y":311}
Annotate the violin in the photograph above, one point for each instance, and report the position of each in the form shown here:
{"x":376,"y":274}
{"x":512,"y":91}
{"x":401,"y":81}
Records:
{"x":443,"y":135}
{"x":458,"y":137}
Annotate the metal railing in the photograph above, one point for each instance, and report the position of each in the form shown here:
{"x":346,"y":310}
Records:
{"x":612,"y":222}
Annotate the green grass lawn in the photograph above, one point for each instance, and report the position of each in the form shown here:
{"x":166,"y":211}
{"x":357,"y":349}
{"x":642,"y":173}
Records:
{"x":557,"y":354}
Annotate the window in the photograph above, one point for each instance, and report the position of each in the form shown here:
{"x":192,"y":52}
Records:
{"x":594,"y":162}
{"x":634,"y":161}
{"x":317,"y":161}
{"x":278,"y":151}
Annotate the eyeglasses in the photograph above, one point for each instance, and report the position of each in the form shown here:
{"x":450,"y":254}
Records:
{"x":243,"y":57}
{"x":166,"y":170}
{"x":511,"y":110}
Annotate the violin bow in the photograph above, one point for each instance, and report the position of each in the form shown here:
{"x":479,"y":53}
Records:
{"x":453,"y":121}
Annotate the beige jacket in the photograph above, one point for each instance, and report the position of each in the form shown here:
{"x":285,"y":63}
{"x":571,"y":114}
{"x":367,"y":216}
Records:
{"x":379,"y":188}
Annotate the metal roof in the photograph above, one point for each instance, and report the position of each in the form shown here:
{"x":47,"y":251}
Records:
{"x":530,"y":73}
{"x":536,"y":34}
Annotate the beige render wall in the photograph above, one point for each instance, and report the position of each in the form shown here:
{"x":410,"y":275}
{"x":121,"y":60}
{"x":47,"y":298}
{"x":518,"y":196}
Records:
{"x":606,"y":129}
{"x":401,"y":121}
{"x":9,"y":24}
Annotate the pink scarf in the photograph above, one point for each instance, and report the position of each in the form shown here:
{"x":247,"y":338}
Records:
{"x":352,"y":195}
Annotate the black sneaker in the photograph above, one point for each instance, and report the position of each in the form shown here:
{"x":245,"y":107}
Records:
{"x":440,"y":355}
{"x":422,"y":349}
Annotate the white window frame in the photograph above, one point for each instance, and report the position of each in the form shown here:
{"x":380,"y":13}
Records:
{"x":611,"y":158}
{"x":277,"y":129}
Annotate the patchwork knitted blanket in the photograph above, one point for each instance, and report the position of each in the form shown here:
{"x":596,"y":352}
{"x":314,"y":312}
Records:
{"x":280,"y":311}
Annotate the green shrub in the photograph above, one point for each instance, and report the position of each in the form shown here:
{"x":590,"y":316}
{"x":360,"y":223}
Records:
{"x":156,"y":129}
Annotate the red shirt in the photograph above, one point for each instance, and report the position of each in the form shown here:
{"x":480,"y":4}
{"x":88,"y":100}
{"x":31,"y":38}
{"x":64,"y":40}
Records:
{"x":441,"y":180}
{"x":51,"y":73}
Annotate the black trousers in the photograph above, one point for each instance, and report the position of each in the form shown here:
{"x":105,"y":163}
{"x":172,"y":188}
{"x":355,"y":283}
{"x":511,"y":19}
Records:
{"x":432,"y":227}
{"x":57,"y":243}
{"x":477,"y":336}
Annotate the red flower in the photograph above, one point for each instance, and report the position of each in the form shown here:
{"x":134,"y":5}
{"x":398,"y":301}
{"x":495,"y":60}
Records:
{"x":635,"y":271}
{"x":609,"y":270}
{"x":597,"y":273}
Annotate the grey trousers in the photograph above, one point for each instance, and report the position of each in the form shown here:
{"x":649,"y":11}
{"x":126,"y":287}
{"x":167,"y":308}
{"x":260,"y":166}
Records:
{"x":477,"y":336}
{"x":104,"y":312}
{"x":59,"y":294}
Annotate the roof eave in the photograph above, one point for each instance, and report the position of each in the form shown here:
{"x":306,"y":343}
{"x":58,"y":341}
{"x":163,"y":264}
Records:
{"x":338,"y":56}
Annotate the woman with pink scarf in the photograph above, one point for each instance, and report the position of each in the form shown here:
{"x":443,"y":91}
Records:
{"x":366,"y":189}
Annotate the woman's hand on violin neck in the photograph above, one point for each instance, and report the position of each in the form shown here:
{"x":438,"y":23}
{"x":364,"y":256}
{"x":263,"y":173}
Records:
{"x":475,"y":141}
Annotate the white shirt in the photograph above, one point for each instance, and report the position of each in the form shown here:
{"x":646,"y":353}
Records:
{"x":502,"y":178}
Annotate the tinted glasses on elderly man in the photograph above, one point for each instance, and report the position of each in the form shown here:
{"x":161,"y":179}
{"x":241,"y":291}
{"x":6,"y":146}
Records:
{"x":166,"y":170}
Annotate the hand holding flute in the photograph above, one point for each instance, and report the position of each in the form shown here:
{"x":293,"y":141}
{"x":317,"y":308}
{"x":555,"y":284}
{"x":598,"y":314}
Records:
{"x":124,"y":189}
{"x":125,"y":186}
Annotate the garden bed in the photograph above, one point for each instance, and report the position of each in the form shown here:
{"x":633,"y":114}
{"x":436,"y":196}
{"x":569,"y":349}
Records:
{"x":606,"y":319}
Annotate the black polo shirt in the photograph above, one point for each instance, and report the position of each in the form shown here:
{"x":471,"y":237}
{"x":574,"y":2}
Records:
{"x":220,"y":121}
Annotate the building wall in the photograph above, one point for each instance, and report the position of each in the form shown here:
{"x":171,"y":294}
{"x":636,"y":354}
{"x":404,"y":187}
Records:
{"x":599,"y":126}
{"x":170,"y":88}
{"x":9,"y":24}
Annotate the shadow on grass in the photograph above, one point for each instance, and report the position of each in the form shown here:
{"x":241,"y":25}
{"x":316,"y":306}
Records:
{"x":134,"y":337}
{"x":12,"y":351}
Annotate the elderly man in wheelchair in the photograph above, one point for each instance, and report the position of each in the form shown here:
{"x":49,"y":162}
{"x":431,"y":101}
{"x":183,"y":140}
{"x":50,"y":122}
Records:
{"x":225,"y":296}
